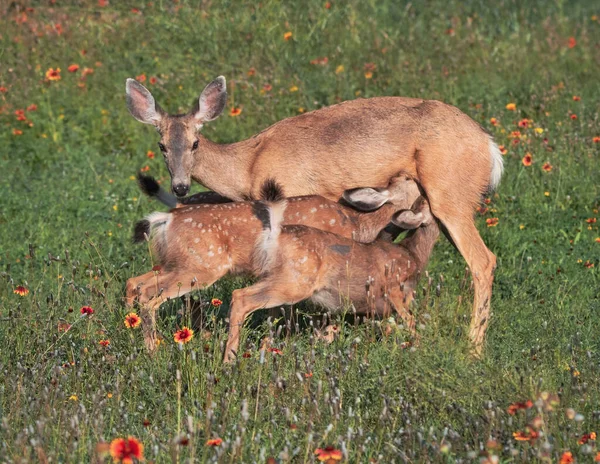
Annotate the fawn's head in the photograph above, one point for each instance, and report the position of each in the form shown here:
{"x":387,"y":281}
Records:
{"x":178,"y":133}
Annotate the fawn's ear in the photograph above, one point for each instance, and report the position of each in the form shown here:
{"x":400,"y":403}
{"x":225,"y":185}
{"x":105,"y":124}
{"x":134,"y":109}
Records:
{"x":366,"y":199}
{"x":408,"y":219}
{"x":212,"y":101}
{"x":141,"y":104}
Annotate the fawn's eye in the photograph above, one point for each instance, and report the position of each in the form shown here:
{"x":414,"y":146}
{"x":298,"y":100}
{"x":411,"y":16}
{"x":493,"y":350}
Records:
{"x":195,"y":145}
{"x":162,"y":147}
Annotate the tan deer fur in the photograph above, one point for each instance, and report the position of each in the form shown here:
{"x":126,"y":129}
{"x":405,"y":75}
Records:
{"x":299,"y":262}
{"x":345,"y":146}
{"x":198,"y":244}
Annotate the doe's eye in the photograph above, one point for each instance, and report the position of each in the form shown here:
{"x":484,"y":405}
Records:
{"x":162,"y":147}
{"x":195,"y":145}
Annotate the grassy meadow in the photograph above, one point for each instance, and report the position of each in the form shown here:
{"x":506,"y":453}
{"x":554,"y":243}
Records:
{"x":528,"y":72}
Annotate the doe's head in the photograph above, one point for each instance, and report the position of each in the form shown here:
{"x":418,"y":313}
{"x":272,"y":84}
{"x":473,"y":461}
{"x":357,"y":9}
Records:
{"x":178,"y":133}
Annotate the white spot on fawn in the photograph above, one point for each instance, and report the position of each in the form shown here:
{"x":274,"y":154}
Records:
{"x":313,"y":210}
{"x":332,"y":222}
{"x":210,"y":254}
{"x":187,"y":220}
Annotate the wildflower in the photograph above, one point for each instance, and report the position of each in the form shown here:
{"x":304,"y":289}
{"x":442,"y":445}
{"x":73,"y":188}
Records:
{"x":53,"y":74}
{"x":539,"y":130}
{"x":145,"y":169}
{"x":502,"y":149}
{"x":572,"y":42}
{"x":573,"y":117}
{"x":135,"y":11}
{"x":591,"y":220}
{"x":102,"y":3}
{"x":524,"y":123}
{"x":293,"y":88}
{"x":86,"y":311}
{"x":125,"y":450}
{"x":327,"y":5}
{"x":132,"y":320}
{"x":491,"y":222}
{"x":576,"y":98}
{"x":328,"y":454}
{"x":493,"y":121}
{"x":251,"y":72}
{"x":153,"y":80}
{"x":235,"y":111}
{"x":86,"y":71}
{"x":287,"y":35}
{"x":320,"y":61}
{"x":339,"y":69}
{"x":587,"y":437}
{"x":596,"y":139}
{"x":150,"y":154}
{"x":546,"y":194}
{"x":63,"y":326}
{"x":184,"y":335}
{"x":597,"y":240}
{"x":527,"y":159}
{"x":21,"y":290}
{"x":567,"y":458}
{"x":247,"y":355}
{"x":368,"y":75}
{"x":276,"y":351}
{"x":267,"y":88}
{"x":588,"y":264}
{"x":515,"y":134}
{"x":17,"y":132}
{"x":32,"y":107}
{"x":157,"y":268}
{"x":528,"y":435}
{"x":73,"y":398}
{"x":511,"y":107}
{"x":3,"y":89}
{"x":214,"y":442}
{"x":513,"y":408}
{"x":73,"y":68}
{"x":141,"y":78}
{"x":547,"y":167}
{"x":104,"y":343}
{"x":597,"y":457}
{"x":216,"y":302}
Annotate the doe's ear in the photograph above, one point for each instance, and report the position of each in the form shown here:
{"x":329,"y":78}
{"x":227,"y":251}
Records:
{"x":408,"y":219}
{"x":141,"y":104}
{"x":366,"y":199}
{"x":212,"y":101}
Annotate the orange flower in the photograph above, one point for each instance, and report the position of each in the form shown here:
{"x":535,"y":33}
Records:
{"x":328,"y":454}
{"x":547,"y":167}
{"x":235,"y":111}
{"x":524,"y":123}
{"x":184,"y":335}
{"x":502,"y":149}
{"x":73,"y":68}
{"x":513,"y":408}
{"x":251,"y":72}
{"x":573,"y":117}
{"x":287,"y":35}
{"x":53,"y":74}
{"x":597,"y":240}
{"x":576,"y":98}
{"x":145,"y":169}
{"x":3,"y":89}
{"x":104,"y":342}
{"x":214,"y":442}
{"x":150,"y":154}
{"x":153,"y":80}
{"x":216,"y":302}
{"x":86,"y":71}
{"x":515,"y":134}
{"x":20,"y":114}
{"x":527,"y":159}
{"x":21,"y":290}
{"x":596,"y":139}
{"x":17,"y":132}
{"x":102,"y":2}
{"x":491,"y":222}
{"x":511,"y":107}
{"x":528,"y":435}
{"x":141,"y":78}
{"x":587,"y":437}
{"x":597,"y":458}
{"x":368,"y":75}
{"x":567,"y":458}
{"x":86,"y":310}
{"x":126,"y":450}
{"x":276,"y":351}
{"x":572,"y":42}
{"x":132,"y":320}
{"x":591,"y":220}
{"x":32,"y":107}
{"x":493,"y":121}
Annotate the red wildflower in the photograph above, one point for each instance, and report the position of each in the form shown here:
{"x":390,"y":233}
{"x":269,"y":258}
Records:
{"x":17,"y":132}
{"x":493,"y":121}
{"x":576,"y":98}
{"x":573,"y":117}
{"x":63,"y":326}
{"x":145,"y":169}
{"x":547,"y":167}
{"x":73,"y":68}
{"x":53,"y":74}
{"x":58,"y":28}
{"x":86,"y":71}
{"x":141,"y":78}
{"x":587,"y":437}
{"x":591,"y":220}
{"x":572,"y":42}
{"x":150,"y":154}
{"x":86,"y":310}
{"x":135,"y":11}
{"x":328,"y":454}
{"x":567,"y":458}
{"x":132,"y":320}
{"x":597,"y":457}
{"x":327,"y":5}
{"x":523,"y":123}
{"x":502,"y":149}
{"x":3,"y":89}
{"x":513,"y":408}
{"x":125,"y":450}
{"x":235,"y":111}
{"x":216,"y":302}
{"x":527,"y":159}
{"x":157,"y":268}
{"x":102,"y":2}
{"x":20,"y":114}
{"x":21,"y":290}
{"x":247,"y":354}
{"x":153,"y":80}
{"x":184,"y":335}
{"x":320,"y":61}
{"x":32,"y":107}
{"x":287,"y":35}
{"x":529,"y":435}
{"x":214,"y":442}
{"x":596,"y":139}
{"x":491,"y":222}
{"x":251,"y":72}
{"x":588,"y":264}
{"x":276,"y":351}
{"x":104,"y":342}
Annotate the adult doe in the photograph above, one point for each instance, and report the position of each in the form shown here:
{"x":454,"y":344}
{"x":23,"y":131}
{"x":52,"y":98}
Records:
{"x":345,"y":146}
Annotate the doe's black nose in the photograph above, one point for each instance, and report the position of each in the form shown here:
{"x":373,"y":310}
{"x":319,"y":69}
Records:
{"x":181,"y":190}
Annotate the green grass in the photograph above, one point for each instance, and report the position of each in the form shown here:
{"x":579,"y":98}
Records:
{"x":68,"y":206}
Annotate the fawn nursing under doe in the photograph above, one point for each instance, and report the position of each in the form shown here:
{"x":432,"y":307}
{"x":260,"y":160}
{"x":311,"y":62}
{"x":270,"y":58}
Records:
{"x":340,"y":147}
{"x":198,"y":244}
